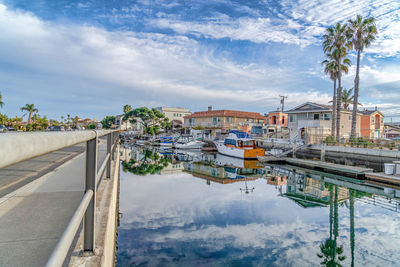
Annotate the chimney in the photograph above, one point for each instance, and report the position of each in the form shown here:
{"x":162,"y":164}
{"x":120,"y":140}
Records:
{"x":209,"y":108}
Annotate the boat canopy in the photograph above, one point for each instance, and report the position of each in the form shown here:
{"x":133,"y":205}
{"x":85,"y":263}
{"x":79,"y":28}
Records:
{"x":240,"y":134}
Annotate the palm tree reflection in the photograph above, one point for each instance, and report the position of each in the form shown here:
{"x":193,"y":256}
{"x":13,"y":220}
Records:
{"x":330,"y":252}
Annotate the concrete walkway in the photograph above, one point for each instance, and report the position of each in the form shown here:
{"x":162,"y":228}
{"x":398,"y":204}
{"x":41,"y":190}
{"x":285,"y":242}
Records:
{"x":33,"y":218}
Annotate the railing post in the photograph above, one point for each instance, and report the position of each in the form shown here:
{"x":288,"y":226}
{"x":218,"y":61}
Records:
{"x":113,"y":141}
{"x":109,"y":144}
{"x":90,"y":184}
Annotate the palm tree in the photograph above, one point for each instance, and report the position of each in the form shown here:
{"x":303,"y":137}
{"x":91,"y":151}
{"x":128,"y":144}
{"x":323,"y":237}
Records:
{"x":336,"y":43}
{"x":31,"y":109}
{"x":347,"y":98}
{"x":331,"y":69}
{"x":127,"y":109}
{"x":1,"y":101}
{"x":361,"y":33}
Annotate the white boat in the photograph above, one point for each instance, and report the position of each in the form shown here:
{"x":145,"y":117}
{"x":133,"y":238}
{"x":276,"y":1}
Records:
{"x":239,"y":145}
{"x":194,"y":144}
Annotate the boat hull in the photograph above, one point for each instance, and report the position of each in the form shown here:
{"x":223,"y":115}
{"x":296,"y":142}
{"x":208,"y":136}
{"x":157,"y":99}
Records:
{"x":239,"y":153}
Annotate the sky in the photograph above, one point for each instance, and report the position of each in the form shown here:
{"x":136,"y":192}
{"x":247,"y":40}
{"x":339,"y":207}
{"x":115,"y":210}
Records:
{"x":89,"y":58}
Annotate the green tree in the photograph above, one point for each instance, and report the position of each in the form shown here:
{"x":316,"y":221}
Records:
{"x":91,"y":126}
{"x":127,"y":109}
{"x":30,"y":108}
{"x":331,"y":68}
{"x":361,"y":33}
{"x":151,"y":119}
{"x":336,"y":44}
{"x":1,"y":101}
{"x":108,"y":122}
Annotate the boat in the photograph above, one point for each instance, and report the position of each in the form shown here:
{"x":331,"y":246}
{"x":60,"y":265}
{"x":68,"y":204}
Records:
{"x":240,"y":145}
{"x":166,"y":141}
{"x":189,"y":143}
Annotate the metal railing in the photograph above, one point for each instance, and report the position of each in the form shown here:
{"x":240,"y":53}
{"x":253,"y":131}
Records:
{"x":17,"y":147}
{"x":86,"y":210}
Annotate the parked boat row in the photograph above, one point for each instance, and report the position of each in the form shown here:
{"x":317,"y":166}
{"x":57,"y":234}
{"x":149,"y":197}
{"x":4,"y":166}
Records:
{"x":237,"y":144}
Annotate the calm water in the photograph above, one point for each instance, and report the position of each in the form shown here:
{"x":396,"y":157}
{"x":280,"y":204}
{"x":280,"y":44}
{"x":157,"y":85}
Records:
{"x":197,"y":209}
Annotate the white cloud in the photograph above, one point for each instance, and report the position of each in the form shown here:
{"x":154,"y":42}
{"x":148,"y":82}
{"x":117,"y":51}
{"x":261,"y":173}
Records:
{"x":84,"y":61}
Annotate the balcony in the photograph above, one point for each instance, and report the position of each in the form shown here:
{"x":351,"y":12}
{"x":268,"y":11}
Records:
{"x":313,"y":124}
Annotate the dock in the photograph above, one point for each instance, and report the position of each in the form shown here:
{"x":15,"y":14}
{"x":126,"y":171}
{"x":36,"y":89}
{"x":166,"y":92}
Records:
{"x":383,"y":178}
{"x":352,"y":171}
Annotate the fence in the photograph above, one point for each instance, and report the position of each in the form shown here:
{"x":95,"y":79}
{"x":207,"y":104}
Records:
{"x":17,"y":147}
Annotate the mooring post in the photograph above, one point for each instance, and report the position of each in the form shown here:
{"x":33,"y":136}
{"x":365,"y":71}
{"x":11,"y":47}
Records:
{"x":90,"y":184}
{"x":294,"y":151}
{"x":109,"y":144}
{"x":323,"y":152}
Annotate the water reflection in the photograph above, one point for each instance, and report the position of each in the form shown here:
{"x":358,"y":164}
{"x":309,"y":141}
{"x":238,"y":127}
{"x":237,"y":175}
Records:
{"x":292,"y":217}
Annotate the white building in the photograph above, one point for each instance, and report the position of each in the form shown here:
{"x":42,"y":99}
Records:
{"x":174,"y":114}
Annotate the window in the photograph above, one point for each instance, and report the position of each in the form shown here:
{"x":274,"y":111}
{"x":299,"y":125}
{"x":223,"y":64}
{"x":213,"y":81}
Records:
{"x":229,"y":119}
{"x":316,"y":116}
{"x":250,"y":120}
{"x":349,"y":117}
{"x":260,"y":121}
{"x":381,"y":120}
{"x":373,"y":119}
{"x":215,"y":120}
{"x":191,"y":121}
{"x":283,"y":120}
{"x":230,"y":142}
{"x":292,"y":118}
{"x":327,"y":116}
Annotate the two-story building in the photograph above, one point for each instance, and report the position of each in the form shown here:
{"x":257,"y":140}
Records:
{"x":372,"y":124}
{"x":223,"y":120}
{"x":312,"y":122}
{"x":175,"y":115}
{"x":277,"y":124}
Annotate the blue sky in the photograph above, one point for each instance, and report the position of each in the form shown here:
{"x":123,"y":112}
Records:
{"x":89,"y":58}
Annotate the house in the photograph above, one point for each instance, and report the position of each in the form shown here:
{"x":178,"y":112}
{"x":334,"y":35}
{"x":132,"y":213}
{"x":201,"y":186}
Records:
{"x":372,"y":125}
{"x":312,"y":122}
{"x":221,"y":121}
{"x":392,"y":130}
{"x":127,"y":125}
{"x":175,"y":115}
{"x":277,"y":124}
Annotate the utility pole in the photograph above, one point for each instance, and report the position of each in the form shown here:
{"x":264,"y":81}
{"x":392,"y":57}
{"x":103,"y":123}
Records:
{"x":282,"y":101}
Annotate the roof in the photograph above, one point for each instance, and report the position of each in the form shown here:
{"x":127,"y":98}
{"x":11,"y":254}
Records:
{"x":315,"y":107}
{"x":226,"y":113}
{"x":309,"y":107}
{"x":369,"y":112}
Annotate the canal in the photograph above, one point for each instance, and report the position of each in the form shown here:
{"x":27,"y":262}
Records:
{"x":196,"y":209}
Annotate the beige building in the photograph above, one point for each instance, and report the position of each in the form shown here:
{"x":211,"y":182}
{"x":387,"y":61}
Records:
{"x":174,"y":114}
{"x":224,"y":120}
{"x":312,"y":122}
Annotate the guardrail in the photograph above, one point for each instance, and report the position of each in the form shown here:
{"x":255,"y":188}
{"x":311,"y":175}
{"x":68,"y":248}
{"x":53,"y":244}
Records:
{"x":17,"y":147}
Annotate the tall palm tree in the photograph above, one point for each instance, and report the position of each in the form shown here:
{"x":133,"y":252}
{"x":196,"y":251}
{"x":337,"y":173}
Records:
{"x":127,"y":109}
{"x":30,"y":108}
{"x":331,"y":69}
{"x":336,"y":43}
{"x":361,"y":33}
{"x":1,"y":101}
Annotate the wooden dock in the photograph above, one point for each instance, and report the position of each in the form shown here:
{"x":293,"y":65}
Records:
{"x":353,"y":171}
{"x":383,"y":178}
